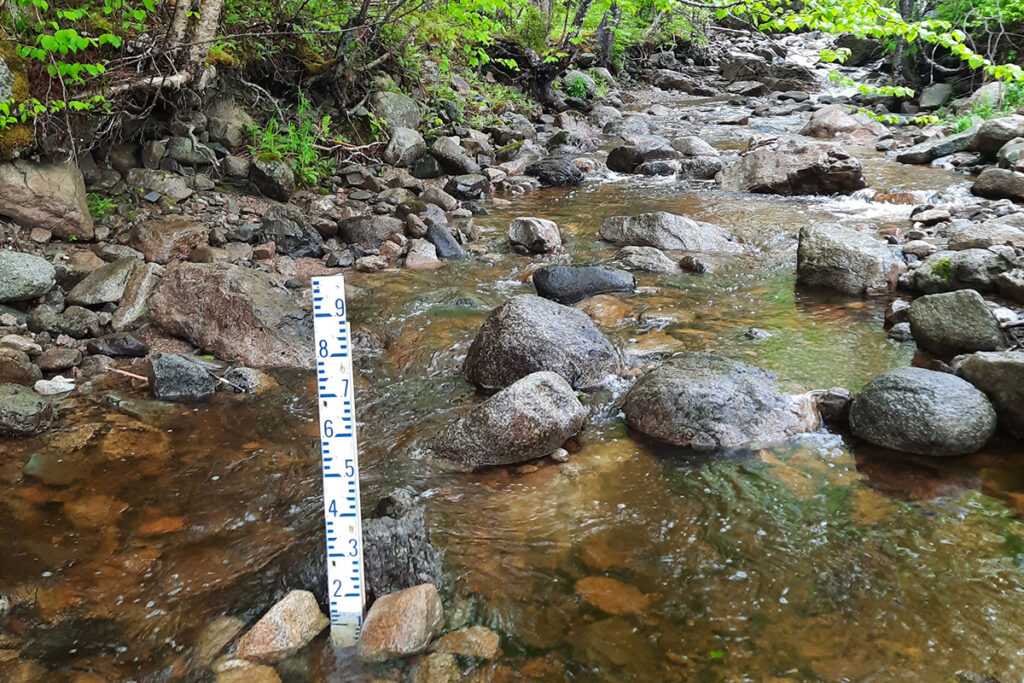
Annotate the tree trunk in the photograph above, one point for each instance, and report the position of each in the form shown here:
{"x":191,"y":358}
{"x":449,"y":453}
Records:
{"x":605,"y":34}
{"x":205,"y":33}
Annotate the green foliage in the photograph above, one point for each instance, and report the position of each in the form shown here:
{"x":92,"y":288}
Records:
{"x":99,"y":206}
{"x":296,"y":143}
{"x":577,"y":88}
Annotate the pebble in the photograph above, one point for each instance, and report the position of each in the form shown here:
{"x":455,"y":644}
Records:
{"x":52,"y":387}
{"x":401,"y":624}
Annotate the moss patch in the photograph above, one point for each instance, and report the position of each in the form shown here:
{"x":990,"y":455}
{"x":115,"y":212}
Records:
{"x":941,"y":268}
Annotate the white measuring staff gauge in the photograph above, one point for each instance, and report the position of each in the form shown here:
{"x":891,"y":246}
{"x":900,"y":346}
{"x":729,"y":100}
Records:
{"x":336,"y":406}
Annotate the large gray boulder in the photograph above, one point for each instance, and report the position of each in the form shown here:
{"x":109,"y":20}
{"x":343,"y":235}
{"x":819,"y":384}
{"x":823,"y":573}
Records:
{"x":370,"y":231}
{"x":526,"y":420}
{"x":1000,"y":374}
{"x":627,"y":158}
{"x":834,"y":121}
{"x":404,"y":147}
{"x":647,"y":259}
{"x":935,"y":95}
{"x":570,"y":284}
{"x":945,"y":271}
{"x":105,"y":285}
{"x":529,"y":334}
{"x":664,"y":230}
{"x":774,"y":165}
{"x":24,"y":276}
{"x":396,"y":110}
{"x":921,"y":411}
{"x":984,"y":235}
{"x":993,"y":134}
{"x":1000,"y":183}
{"x":238,"y":314}
{"x":955,"y":322}
{"x":929,"y":150}
{"x":708,"y":402}
{"x":847,"y":261}
{"x":48,"y":196}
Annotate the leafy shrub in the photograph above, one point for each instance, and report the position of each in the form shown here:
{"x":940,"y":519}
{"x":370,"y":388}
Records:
{"x":296,"y":143}
{"x":577,"y":88}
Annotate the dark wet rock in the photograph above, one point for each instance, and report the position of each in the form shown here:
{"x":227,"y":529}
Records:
{"x":425,"y":167}
{"x":405,"y":146}
{"x":955,"y":322}
{"x":47,"y":196}
{"x":105,"y":284}
{"x":75,"y":321}
{"x":534,"y":235}
{"x":573,"y":143}
{"x":24,"y":276}
{"x":862,"y":49}
{"x":647,"y":259}
{"x":397,"y":552}
{"x":929,"y":150}
{"x":995,"y":133}
{"x":792,"y":167}
{"x":530,"y":334}
{"x":17,"y":368}
{"x":444,"y":243}
{"x":707,"y":402}
{"x":369,"y":232}
{"x":700,"y":168}
{"x":180,"y":380}
{"x":273,"y":177}
{"x":834,"y":405}
{"x":1001,"y":376}
{"x":401,"y":624}
{"x":1000,"y":183}
{"x":124,"y":345}
{"x":58,"y":359}
{"x":453,"y":158}
{"x":22,"y":411}
{"x":526,"y":420}
{"x":900,"y":332}
{"x":569,"y":284}
{"x":666,"y":167}
{"x":291,"y":233}
{"x":626,"y":158}
{"x":284,"y":630}
{"x":667,"y":231}
{"x":555,"y":172}
{"x":847,"y":261}
{"x":468,"y":186}
{"x":236,"y":313}
{"x":922,"y":411}
{"x":162,"y":240}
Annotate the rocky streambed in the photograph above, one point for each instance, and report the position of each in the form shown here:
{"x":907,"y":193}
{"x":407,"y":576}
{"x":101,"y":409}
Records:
{"x":714,"y":519}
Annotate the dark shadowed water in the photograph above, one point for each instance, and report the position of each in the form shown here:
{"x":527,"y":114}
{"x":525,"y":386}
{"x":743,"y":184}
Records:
{"x":134,"y":524}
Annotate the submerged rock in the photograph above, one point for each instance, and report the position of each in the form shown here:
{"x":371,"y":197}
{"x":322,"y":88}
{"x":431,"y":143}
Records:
{"x":474,"y":641}
{"x":180,"y":380}
{"x":529,"y":334}
{"x":1001,"y":376}
{"x":845,"y":260}
{"x":924,"y":412}
{"x":22,"y":411}
{"x":397,"y":553}
{"x":955,"y":322}
{"x":668,"y":231}
{"x":284,"y":630}
{"x":569,"y":284}
{"x":401,"y":624}
{"x":236,"y":313}
{"x":707,"y":402}
{"x":792,"y":167}
{"x":524,"y":421}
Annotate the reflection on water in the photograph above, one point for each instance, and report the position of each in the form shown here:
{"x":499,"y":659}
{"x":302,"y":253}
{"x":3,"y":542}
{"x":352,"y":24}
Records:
{"x":134,"y":524}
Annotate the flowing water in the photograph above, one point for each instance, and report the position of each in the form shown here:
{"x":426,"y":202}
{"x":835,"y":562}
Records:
{"x":134,"y":524}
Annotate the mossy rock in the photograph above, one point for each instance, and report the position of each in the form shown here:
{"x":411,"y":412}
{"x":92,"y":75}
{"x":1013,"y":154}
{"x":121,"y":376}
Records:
{"x":14,"y":87}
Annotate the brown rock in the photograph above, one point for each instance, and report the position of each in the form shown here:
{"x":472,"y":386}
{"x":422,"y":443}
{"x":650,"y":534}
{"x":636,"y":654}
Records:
{"x":57,"y":359}
{"x":215,"y":637}
{"x":265,"y":251}
{"x":284,"y":630}
{"x":47,"y":196}
{"x":611,"y":596}
{"x":17,"y":368}
{"x":237,"y":671}
{"x":437,"y":668}
{"x":92,"y":512}
{"x":235,"y":313}
{"x":401,"y":624}
{"x":162,"y":240}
